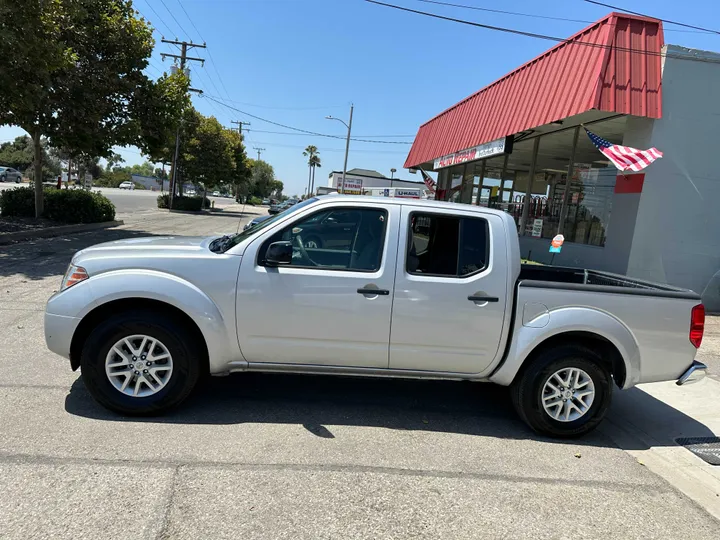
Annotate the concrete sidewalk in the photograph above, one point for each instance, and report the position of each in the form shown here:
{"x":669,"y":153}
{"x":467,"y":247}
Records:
{"x":646,"y":421}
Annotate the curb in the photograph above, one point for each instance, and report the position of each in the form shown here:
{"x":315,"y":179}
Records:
{"x":8,"y":238}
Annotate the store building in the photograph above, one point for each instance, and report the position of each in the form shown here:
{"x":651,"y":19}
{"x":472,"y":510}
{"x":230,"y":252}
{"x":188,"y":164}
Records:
{"x":358,"y":181}
{"x":521,"y":140}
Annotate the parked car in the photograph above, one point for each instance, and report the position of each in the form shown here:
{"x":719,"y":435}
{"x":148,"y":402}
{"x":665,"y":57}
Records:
{"x":255,"y":221}
{"x":146,"y":318}
{"x":127,"y":185}
{"x":277,"y":208}
{"x":266,"y":202}
{"x":8,"y":174}
{"x":215,"y":193}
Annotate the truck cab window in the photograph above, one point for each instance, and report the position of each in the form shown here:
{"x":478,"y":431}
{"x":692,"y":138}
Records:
{"x":441,"y":245}
{"x":337,"y":239}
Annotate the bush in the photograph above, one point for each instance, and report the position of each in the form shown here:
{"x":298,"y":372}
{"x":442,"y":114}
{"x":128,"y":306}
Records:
{"x":189,"y":204}
{"x":77,"y":206}
{"x":62,"y":205}
{"x":254,"y":201}
{"x":163,"y":201}
{"x":18,"y":202}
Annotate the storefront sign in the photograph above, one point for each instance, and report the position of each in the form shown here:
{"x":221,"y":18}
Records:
{"x":537,"y":228}
{"x":407,"y":193}
{"x":353,"y":186}
{"x":492,"y":148}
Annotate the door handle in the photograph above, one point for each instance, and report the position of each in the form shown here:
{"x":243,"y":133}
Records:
{"x":380,"y":292}
{"x":475,"y":298}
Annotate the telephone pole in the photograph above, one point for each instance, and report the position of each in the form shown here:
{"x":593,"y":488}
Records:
{"x":183,"y":57}
{"x":258,"y":151}
{"x":240,"y":124}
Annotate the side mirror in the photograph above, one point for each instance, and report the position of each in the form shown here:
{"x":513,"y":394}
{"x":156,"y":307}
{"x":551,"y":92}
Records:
{"x":279,"y":253}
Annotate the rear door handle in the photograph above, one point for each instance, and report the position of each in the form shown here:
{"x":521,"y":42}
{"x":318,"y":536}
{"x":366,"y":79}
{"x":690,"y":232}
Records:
{"x":381,"y":292}
{"x":474,"y":298}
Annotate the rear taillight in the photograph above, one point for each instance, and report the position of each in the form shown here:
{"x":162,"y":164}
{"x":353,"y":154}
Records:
{"x":697,"y":325}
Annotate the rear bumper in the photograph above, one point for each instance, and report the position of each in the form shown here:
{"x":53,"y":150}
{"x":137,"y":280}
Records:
{"x":59,"y":331}
{"x":694,"y":373}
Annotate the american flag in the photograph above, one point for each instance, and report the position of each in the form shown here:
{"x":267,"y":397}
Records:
{"x":429,"y":182}
{"x":624,"y":157}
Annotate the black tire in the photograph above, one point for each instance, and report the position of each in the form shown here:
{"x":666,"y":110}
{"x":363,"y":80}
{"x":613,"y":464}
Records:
{"x":527,"y":390}
{"x":186,"y":359}
{"x":313,"y":239}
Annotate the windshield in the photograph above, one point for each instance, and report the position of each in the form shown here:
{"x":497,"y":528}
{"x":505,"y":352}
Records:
{"x":221,"y":245}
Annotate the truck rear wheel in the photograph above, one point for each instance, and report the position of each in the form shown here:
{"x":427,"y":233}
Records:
{"x":139,"y":363}
{"x":564,"y":392}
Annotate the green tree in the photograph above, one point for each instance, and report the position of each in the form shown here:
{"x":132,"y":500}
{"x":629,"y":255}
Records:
{"x":19,"y":154}
{"x":240,"y":177}
{"x":72,"y":71}
{"x":263,"y":179}
{"x":144,"y":169}
{"x":207,"y":155}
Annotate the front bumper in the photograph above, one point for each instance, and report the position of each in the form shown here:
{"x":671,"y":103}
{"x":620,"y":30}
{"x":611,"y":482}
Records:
{"x":59,"y":331}
{"x":694,"y":373}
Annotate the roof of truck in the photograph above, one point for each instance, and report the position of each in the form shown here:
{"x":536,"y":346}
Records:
{"x":429,"y":203}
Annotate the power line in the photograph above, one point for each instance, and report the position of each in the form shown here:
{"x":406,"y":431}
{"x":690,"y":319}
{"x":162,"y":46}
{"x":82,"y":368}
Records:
{"x":299,"y":134}
{"x":518,"y":14}
{"x":174,"y":19}
{"x":337,"y":150}
{"x":159,"y":17}
{"x":190,"y":19}
{"x":651,"y":17}
{"x":546,"y":37}
{"x":212,"y":61}
{"x":319,"y":108}
{"x":299,"y":129}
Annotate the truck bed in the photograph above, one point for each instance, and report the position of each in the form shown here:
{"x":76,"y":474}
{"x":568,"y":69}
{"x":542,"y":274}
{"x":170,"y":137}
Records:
{"x":558,"y":277}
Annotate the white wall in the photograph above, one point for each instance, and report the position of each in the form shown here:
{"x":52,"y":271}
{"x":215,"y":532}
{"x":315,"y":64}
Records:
{"x":368,"y":182}
{"x":677,"y":232}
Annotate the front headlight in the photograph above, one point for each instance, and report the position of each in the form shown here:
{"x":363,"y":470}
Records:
{"x":74,"y":275}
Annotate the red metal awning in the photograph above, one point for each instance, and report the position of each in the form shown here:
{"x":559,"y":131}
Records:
{"x":613,"y":65}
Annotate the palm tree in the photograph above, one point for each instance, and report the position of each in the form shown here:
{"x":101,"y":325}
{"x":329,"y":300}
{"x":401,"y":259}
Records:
{"x":311,"y":153}
{"x":315,"y":163}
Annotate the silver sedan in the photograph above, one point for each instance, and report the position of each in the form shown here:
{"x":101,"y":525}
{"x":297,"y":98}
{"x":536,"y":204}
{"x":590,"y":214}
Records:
{"x":8,"y":174}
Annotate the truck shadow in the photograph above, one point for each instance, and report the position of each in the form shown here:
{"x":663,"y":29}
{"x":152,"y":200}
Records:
{"x":320,"y":402}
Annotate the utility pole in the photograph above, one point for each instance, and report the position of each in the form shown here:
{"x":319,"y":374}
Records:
{"x":258,"y":151}
{"x":347,"y":143}
{"x":240,"y":124}
{"x":183,"y":57}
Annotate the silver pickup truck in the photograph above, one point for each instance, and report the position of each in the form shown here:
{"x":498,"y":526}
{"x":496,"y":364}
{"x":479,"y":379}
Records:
{"x":368,"y":286}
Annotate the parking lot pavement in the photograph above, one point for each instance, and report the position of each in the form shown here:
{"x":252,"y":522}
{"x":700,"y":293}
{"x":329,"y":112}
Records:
{"x":282,"y":456}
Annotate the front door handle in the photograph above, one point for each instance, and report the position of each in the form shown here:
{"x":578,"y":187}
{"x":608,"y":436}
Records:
{"x":478,"y":298}
{"x":381,"y":292}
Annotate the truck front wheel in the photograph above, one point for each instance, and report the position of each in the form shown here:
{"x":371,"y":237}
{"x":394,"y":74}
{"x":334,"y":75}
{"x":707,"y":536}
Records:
{"x":564,"y":392}
{"x":139,"y":363}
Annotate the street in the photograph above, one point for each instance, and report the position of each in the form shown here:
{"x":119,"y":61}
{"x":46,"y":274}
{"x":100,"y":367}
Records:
{"x":286,"y":456}
{"x":130,"y":201}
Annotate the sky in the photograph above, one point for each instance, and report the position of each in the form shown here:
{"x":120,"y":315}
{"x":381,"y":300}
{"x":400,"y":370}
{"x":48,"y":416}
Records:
{"x":294,"y":62}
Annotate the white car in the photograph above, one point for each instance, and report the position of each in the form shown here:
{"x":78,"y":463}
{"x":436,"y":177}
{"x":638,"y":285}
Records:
{"x":127,"y":185}
{"x":215,"y":193}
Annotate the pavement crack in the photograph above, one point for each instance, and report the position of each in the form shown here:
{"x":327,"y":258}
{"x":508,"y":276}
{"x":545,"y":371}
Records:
{"x":164,"y":533}
{"x":615,"y":486}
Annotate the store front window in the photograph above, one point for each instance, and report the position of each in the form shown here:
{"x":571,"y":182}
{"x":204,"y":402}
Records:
{"x":579,"y":209}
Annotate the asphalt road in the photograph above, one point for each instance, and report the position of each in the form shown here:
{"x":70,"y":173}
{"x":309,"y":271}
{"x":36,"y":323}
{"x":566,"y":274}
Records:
{"x":270,"y":456}
{"x":132,"y":201}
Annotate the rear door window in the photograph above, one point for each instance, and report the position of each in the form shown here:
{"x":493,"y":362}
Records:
{"x":450,"y":246}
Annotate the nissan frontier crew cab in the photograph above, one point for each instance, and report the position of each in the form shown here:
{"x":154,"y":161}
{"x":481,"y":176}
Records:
{"x":357,"y":285}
